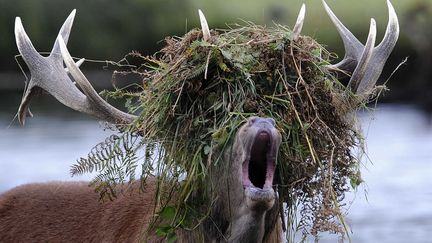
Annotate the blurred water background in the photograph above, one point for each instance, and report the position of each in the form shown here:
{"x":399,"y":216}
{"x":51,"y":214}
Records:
{"x":395,"y":204}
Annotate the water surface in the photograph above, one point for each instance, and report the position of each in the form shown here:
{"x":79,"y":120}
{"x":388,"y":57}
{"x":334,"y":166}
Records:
{"x":396,"y":208}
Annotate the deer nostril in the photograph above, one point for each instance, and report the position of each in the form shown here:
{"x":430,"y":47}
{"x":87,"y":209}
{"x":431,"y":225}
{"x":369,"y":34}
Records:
{"x":253,"y":119}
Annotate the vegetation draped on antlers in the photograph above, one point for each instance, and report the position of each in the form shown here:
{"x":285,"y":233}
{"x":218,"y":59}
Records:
{"x":310,"y":114}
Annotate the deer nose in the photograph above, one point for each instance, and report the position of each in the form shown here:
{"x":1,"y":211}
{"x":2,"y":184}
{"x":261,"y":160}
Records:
{"x":262,"y":122}
{"x":271,"y":121}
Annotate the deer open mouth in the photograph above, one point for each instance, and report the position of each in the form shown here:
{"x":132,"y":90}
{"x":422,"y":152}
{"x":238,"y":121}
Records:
{"x":259,"y":167}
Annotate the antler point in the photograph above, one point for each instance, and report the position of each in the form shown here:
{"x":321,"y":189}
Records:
{"x":204,"y":26}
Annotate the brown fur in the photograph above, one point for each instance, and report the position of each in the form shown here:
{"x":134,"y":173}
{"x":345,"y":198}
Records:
{"x":72,"y":211}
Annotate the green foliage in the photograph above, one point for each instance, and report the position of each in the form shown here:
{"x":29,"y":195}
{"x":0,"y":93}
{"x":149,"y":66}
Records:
{"x":115,"y":160}
{"x":196,"y":94}
{"x":167,"y":230}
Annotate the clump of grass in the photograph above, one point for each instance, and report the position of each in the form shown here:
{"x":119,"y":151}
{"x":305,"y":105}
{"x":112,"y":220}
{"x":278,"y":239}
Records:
{"x":195,"y":94}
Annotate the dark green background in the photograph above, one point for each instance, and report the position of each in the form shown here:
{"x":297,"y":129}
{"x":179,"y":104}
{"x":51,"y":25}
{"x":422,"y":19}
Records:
{"x":107,"y":30}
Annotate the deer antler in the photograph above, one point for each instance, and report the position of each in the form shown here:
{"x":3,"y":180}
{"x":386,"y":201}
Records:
{"x":204,"y":26}
{"x":299,"y":23}
{"x":366,"y":62}
{"x":48,"y":73}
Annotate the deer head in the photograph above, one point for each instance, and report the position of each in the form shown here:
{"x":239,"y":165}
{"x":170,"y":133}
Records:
{"x":245,"y":210}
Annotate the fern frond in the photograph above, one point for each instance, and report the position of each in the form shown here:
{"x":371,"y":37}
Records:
{"x":115,"y":160}
{"x":197,"y":71}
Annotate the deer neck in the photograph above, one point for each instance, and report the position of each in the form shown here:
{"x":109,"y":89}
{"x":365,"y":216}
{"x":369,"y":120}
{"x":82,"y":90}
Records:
{"x":247,"y":226}
{"x":237,"y":220}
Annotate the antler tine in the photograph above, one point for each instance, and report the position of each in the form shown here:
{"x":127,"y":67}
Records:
{"x":204,"y":26}
{"x":64,"y":32}
{"x":30,"y":55}
{"x":58,"y":85}
{"x":78,"y":63}
{"x":299,"y":23}
{"x":392,"y":32}
{"x":100,"y":107}
{"x":48,"y":73}
{"x":381,"y":52}
{"x":366,"y":69}
{"x":24,"y":44}
{"x":353,"y":47}
{"x":362,"y":65}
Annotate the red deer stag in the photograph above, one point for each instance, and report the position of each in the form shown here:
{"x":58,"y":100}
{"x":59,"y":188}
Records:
{"x":246,"y":209}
